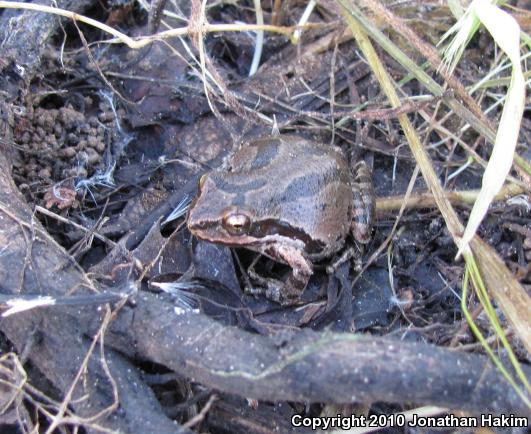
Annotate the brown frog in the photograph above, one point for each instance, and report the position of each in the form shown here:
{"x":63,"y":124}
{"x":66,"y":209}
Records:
{"x":289,"y":198}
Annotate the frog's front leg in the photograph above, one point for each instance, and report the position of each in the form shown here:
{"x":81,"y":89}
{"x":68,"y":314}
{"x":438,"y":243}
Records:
{"x":301,"y":271}
{"x":363,"y":212}
{"x":289,"y":292}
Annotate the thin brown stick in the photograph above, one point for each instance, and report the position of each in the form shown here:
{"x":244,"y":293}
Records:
{"x":202,"y":414}
{"x":145,"y":40}
{"x":275,"y":17}
{"x":74,"y":224}
{"x":427,"y":200}
{"x":57,"y":419}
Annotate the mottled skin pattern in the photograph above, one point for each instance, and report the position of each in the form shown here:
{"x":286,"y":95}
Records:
{"x":363,"y":210}
{"x":289,"y":198}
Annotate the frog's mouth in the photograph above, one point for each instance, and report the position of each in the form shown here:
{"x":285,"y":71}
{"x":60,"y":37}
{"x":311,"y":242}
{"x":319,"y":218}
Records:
{"x":278,"y":230}
{"x":262,"y":233}
{"x":217,"y":236}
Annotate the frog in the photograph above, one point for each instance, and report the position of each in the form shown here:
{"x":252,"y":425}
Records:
{"x":292,"y":199}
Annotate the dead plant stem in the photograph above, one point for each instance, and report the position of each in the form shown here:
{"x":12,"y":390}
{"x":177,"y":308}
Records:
{"x":427,"y":200}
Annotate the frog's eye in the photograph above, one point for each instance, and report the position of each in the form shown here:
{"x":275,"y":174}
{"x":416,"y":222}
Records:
{"x":237,"y":223}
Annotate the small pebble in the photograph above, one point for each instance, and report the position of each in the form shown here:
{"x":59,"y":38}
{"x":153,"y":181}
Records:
{"x":68,"y":152}
{"x":92,"y":156}
{"x":93,"y":121}
{"x":26,"y":136}
{"x":71,"y":138}
{"x":39,"y":133}
{"x":58,"y":130}
{"x":45,"y":173}
{"x":92,"y":141}
{"x":100,"y":146}
{"x":106,"y":117}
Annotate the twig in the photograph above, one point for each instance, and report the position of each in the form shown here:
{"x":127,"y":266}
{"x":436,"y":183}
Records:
{"x":201,"y":415}
{"x":427,"y":200}
{"x":74,"y":224}
{"x":58,"y":418}
{"x":145,"y":40}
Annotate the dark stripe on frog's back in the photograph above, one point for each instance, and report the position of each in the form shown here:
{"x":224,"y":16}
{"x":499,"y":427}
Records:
{"x":238,"y":190}
{"x":324,"y":165}
{"x":268,"y":188}
{"x":266,"y":153}
{"x":254,"y":156}
{"x":310,"y":184}
{"x":267,"y":150}
{"x":333,"y":204}
{"x":264,"y":172}
{"x":302,"y":186}
{"x":235,"y":188}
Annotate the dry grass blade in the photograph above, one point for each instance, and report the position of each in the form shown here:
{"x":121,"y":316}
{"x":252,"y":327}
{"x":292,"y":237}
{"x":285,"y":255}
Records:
{"x":304,"y":19}
{"x":418,"y":72}
{"x":259,"y":42}
{"x":472,"y":273}
{"x":515,"y":305}
{"x":506,"y":33}
{"x":454,"y":225}
{"x":464,"y":30}
{"x":13,"y":378}
{"x":508,"y":293}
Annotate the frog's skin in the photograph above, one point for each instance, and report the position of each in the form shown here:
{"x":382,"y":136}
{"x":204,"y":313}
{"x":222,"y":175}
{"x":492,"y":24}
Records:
{"x":292,"y":199}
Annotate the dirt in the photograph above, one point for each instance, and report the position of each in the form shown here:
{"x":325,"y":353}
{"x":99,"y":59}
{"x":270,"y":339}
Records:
{"x":60,"y":149}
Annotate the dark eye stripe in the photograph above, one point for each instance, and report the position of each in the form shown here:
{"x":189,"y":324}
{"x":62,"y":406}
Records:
{"x":232,"y":188}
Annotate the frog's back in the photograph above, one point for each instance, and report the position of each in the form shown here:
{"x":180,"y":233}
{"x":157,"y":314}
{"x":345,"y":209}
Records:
{"x":302,"y":185}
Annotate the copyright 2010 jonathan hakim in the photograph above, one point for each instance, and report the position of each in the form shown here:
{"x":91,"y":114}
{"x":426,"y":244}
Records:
{"x":375,"y":421}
